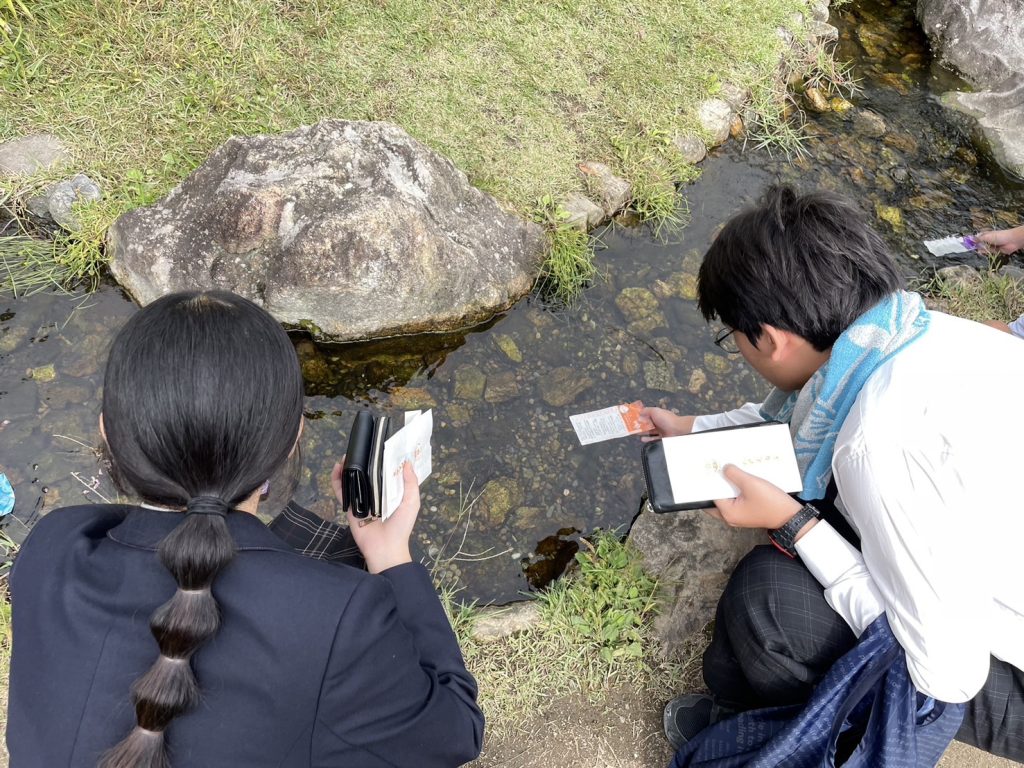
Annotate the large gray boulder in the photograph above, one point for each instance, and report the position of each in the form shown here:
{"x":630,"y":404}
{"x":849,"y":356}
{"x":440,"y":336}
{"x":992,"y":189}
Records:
{"x":353,"y":230}
{"x":983,"y":39}
{"x":692,"y":555}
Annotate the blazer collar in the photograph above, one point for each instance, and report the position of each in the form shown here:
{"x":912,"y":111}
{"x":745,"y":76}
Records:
{"x":145,"y":529}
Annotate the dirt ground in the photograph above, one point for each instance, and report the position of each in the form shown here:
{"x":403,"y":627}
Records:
{"x":624,"y":731}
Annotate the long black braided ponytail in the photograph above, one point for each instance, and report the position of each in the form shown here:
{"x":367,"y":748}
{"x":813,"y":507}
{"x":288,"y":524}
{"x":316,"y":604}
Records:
{"x":202,"y":402}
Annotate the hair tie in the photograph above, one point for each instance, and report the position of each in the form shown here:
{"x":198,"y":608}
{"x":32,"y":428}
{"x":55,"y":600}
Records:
{"x":207,"y":505}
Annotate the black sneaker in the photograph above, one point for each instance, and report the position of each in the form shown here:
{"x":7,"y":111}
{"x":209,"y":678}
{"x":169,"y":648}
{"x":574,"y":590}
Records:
{"x":689,"y":714}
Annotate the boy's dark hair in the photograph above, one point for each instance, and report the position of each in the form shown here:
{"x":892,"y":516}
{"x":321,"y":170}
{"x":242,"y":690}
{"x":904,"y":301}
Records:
{"x":809,"y":264}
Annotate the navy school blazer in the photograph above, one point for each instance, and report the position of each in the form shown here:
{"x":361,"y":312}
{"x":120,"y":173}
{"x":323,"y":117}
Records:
{"x":314,"y":664}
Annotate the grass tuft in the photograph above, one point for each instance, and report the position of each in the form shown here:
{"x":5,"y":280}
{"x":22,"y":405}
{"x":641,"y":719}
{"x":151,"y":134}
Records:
{"x":29,"y":265}
{"x":991,"y":297}
{"x":568,"y":266}
{"x":594,"y":633}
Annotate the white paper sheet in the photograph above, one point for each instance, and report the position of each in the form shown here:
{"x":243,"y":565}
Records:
{"x":410,"y":443}
{"x":695,"y":461}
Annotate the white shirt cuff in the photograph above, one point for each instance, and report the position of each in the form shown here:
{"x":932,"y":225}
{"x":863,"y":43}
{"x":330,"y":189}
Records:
{"x":827,"y":554}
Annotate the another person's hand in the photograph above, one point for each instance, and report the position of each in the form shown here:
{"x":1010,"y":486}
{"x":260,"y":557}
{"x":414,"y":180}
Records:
{"x":384,"y":544}
{"x":759,"y":505}
{"x":1003,"y":240}
{"x":664,"y":423}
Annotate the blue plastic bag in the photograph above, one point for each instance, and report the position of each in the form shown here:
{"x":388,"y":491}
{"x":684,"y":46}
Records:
{"x":6,"y":495}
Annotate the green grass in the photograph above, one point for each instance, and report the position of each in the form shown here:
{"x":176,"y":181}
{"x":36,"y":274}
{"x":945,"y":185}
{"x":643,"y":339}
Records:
{"x":30,"y":264}
{"x":594,"y":632}
{"x":991,"y":297}
{"x":515,"y":93}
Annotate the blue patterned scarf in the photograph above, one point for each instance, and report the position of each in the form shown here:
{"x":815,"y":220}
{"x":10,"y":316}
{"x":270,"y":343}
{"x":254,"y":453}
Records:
{"x":816,"y":413}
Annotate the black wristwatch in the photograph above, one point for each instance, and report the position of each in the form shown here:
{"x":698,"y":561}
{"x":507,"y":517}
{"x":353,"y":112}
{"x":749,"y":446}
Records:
{"x":784,"y":538}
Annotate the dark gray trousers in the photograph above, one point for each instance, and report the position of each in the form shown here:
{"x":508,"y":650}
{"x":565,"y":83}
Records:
{"x":775,"y":636}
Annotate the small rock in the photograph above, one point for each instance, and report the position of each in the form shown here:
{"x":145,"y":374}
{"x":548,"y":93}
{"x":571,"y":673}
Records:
{"x":869,"y":123}
{"x":900,"y":175}
{"x":469,"y":383}
{"x":638,"y":304}
{"x":734,"y":95}
{"x":901,"y":141}
{"x":822,"y":31}
{"x":715,"y":117}
{"x":631,"y":364}
{"x":494,"y":623}
{"x":498,"y":498}
{"x":736,"y":129}
{"x":583,"y":213}
{"x":42,"y":374}
{"x":412,"y":399}
{"x":527,"y":517}
{"x":31,"y":154}
{"x":1013,"y":272}
{"x":697,"y":381}
{"x":717,"y":364}
{"x":459,"y":415}
{"x":615,"y":193}
{"x":816,"y":100}
{"x":561,"y":386}
{"x":839,"y":104}
{"x":668,"y":350}
{"x":11,"y":339}
{"x":501,"y":387}
{"x":959,"y":276}
{"x":889,"y":214}
{"x":819,"y":11}
{"x":661,"y":375}
{"x":681,"y":284}
{"x":691,"y":148}
{"x":874,"y":43}
{"x":508,"y":345}
{"x":61,"y":198}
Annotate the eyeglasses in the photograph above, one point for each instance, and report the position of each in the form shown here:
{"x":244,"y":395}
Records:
{"x":726,"y":342}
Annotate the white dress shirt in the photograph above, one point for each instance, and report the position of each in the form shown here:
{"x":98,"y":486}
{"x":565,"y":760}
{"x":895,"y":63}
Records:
{"x":926,"y":464}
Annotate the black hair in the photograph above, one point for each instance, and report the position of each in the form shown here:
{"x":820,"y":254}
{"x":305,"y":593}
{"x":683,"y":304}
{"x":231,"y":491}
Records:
{"x":809,"y":264}
{"x":202,"y":402}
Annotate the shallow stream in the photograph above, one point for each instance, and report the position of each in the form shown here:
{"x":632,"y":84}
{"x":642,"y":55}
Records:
{"x":512,"y":488}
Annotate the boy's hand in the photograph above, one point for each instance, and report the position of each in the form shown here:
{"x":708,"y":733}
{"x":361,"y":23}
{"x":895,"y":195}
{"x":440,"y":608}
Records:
{"x":1003,"y":240}
{"x":665,"y":424}
{"x":384,"y":543}
{"x":759,"y":505}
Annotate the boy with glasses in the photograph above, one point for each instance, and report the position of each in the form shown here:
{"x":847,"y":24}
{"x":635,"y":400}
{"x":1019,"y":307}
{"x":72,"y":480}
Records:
{"x":907,"y":508}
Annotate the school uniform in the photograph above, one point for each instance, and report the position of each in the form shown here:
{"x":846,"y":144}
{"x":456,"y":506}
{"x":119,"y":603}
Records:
{"x":925,"y":467}
{"x":314,"y":664}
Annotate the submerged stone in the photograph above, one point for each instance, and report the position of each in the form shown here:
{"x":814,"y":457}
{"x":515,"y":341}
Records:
{"x":889,"y":213}
{"x":561,"y":386}
{"x":469,"y":383}
{"x":661,"y":375}
{"x":508,"y":345}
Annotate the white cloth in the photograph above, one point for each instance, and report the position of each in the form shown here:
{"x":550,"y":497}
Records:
{"x":1017,"y":327}
{"x":925,"y":465}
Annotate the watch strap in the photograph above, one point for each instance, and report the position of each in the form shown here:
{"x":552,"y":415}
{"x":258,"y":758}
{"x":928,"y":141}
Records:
{"x":784,"y":538}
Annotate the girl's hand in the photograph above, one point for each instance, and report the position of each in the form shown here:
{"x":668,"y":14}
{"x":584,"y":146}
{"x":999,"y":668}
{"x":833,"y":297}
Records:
{"x":1003,"y":240}
{"x":384,"y":544}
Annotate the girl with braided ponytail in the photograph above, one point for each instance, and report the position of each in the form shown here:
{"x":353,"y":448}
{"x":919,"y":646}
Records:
{"x":181,"y":631}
